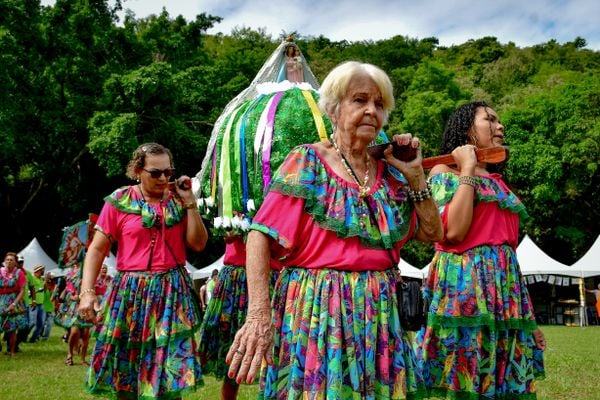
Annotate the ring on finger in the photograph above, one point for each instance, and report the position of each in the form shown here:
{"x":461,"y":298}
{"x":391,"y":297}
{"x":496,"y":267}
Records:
{"x":238,"y":351}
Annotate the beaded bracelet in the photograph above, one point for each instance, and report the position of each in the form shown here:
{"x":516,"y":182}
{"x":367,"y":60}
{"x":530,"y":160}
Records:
{"x":421,"y":195}
{"x":86,"y":291}
{"x":468,"y":180}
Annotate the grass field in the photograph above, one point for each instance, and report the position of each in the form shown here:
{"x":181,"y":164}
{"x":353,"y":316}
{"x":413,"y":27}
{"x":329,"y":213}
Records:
{"x":38,"y":372}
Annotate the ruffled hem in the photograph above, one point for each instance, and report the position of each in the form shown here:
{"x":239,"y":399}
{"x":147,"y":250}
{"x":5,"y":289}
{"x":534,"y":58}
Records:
{"x":483,"y":320}
{"x":450,"y":395}
{"x":489,"y":190}
{"x":129,"y":395}
{"x":68,"y":325}
{"x":188,"y":334}
{"x":335,"y":203}
{"x":420,"y":393}
{"x":281,"y":240}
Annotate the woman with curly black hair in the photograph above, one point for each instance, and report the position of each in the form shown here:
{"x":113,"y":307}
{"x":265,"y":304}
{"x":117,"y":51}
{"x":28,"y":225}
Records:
{"x":481,"y":338}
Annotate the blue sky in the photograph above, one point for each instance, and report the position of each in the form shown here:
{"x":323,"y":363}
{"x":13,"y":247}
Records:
{"x":524,"y":22}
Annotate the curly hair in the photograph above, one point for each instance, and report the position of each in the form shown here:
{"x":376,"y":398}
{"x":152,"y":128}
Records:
{"x":458,"y":126}
{"x":138,"y":158}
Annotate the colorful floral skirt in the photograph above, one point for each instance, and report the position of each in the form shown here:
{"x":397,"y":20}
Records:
{"x":145,"y":346}
{"x":17,"y":319}
{"x":338,"y":336}
{"x":225,"y":315}
{"x":478,"y":342}
{"x":68,"y":315}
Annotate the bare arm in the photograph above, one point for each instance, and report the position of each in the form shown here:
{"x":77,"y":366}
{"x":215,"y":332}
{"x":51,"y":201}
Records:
{"x":94,"y":257}
{"x":253,"y":342}
{"x":203,"y":295}
{"x":430,"y":224}
{"x":196,"y":234}
{"x":460,"y":208}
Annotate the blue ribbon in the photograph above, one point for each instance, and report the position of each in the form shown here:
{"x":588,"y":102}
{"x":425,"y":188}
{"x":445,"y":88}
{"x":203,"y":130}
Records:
{"x":244,"y":167}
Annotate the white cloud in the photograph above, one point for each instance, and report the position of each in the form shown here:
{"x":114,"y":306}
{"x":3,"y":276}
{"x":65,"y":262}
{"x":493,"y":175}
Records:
{"x":524,"y":22}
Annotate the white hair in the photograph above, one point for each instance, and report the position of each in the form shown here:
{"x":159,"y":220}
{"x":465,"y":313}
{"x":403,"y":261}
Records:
{"x":336,"y":84}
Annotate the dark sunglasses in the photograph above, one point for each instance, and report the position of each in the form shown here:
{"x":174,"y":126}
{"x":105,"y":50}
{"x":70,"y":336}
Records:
{"x":157,"y":173}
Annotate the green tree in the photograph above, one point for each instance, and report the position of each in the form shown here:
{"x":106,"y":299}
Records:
{"x":555,"y":147}
{"x":427,"y":102}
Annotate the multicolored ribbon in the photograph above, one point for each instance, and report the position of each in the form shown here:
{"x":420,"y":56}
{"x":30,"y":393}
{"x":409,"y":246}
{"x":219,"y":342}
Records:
{"x":267,"y":141}
{"x":226,"y":206}
{"x":316,"y":113}
{"x":243,"y":158}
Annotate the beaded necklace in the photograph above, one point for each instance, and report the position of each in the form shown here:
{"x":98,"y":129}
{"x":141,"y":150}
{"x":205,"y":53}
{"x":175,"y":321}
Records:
{"x":363,"y":189}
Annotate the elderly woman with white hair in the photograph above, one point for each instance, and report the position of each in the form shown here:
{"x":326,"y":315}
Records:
{"x":337,"y":218}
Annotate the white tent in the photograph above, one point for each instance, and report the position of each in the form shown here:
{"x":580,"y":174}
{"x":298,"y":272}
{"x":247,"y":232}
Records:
{"x":111,"y":262}
{"x":206,"y":271}
{"x":412,"y":272}
{"x":34,"y":254}
{"x":58,"y":272}
{"x":589,"y":264}
{"x":190,"y":268}
{"x":533,"y":261}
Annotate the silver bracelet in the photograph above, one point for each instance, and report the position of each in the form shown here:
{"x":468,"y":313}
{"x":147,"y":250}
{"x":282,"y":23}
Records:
{"x":421,"y":195}
{"x":468,"y":180}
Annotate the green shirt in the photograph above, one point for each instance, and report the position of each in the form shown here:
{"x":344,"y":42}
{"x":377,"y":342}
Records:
{"x":38,"y":288}
{"x":48,"y":303}
{"x":210,"y":285}
{"x":26,"y":296}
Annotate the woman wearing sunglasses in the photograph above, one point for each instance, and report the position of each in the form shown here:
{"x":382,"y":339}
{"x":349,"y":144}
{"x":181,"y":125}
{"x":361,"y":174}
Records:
{"x":145,"y":346}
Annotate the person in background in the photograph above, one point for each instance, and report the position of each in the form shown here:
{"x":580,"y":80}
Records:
{"x":226,"y":313}
{"x":68,"y":317}
{"x":145,"y":342}
{"x":13,"y":312}
{"x":28,"y":299}
{"x":103,"y":282}
{"x":203,"y":298}
{"x":340,"y":219}
{"x":58,"y":297}
{"x":596,"y":293}
{"x":49,"y":306}
{"x":481,"y":338}
{"x":210,"y":285}
{"x":37,"y":305}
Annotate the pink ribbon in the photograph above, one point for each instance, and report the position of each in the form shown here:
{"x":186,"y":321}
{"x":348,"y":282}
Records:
{"x":267,"y":139}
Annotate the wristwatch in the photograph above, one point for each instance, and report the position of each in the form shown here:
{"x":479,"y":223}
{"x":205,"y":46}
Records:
{"x":190,"y":205}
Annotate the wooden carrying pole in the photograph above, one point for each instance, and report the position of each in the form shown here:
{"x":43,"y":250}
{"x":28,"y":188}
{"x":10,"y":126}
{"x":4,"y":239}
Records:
{"x":492,"y":155}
